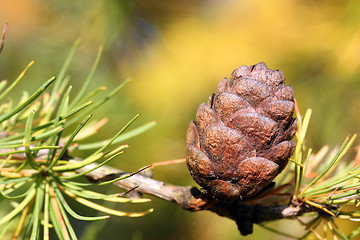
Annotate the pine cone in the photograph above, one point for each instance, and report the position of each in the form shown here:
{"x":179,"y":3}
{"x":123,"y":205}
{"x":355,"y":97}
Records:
{"x":241,"y":139}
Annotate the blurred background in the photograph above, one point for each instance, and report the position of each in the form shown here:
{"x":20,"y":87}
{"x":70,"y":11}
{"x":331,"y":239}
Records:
{"x":176,"y":52}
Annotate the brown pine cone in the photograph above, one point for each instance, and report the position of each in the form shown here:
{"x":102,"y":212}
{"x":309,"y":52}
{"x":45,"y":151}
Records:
{"x":241,"y":139}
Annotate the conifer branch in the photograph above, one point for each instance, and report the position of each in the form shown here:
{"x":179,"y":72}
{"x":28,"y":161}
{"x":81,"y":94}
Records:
{"x":192,"y":199}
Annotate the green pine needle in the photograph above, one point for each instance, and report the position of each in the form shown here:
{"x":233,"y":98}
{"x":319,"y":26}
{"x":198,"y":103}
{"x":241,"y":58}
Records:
{"x":34,"y":161}
{"x":28,"y":102}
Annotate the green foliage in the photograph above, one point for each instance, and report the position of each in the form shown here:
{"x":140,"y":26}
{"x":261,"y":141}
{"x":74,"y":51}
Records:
{"x":37,"y":175}
{"x":325,"y":182}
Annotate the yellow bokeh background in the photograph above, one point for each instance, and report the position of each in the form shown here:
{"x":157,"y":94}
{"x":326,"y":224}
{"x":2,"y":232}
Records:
{"x":175,"y":54}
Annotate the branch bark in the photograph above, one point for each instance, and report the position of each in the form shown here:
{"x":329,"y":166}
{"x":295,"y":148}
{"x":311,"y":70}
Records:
{"x":192,"y":199}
